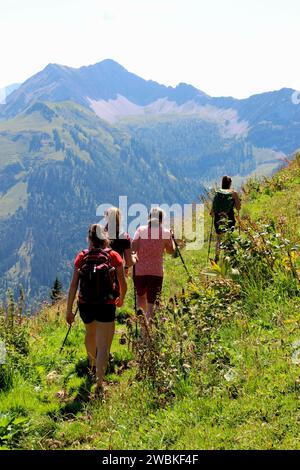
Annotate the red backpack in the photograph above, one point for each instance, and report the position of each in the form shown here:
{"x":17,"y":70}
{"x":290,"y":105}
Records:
{"x":98,"y":282}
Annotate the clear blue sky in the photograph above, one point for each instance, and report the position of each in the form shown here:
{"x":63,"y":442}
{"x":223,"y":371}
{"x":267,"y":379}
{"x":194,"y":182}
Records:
{"x":223,"y":47}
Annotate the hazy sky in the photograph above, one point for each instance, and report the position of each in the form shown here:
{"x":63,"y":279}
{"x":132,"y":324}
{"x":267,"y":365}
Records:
{"x":223,"y":47}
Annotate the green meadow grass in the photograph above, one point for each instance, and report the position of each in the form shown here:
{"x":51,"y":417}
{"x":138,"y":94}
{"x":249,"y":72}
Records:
{"x":242,"y":394}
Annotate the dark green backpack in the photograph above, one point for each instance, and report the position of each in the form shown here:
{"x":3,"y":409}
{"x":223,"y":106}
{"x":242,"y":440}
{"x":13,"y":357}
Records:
{"x":223,"y":201}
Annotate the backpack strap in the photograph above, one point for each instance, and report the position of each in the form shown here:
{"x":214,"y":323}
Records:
{"x":108,"y":250}
{"x":83,"y":253}
{"x":99,"y":250}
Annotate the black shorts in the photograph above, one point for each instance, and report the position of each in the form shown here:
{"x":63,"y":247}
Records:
{"x":149,"y":285}
{"x":223,"y":222}
{"x":105,"y":313}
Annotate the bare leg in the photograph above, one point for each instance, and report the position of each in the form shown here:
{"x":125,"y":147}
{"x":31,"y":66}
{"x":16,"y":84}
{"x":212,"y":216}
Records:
{"x":90,"y":342}
{"x":142,"y":302}
{"x":151,"y":309}
{"x":150,"y":312}
{"x":104,"y":336}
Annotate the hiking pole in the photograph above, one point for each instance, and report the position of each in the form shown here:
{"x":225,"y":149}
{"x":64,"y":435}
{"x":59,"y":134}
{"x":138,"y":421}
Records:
{"x":70,"y":326}
{"x":135,"y":302}
{"x":239,"y":223}
{"x":180,"y":256}
{"x":210,"y":237}
{"x":134,"y":289}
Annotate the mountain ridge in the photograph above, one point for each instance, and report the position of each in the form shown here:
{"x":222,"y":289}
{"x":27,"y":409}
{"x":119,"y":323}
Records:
{"x":6,"y":91}
{"x":89,"y":81}
{"x":110,"y":66}
{"x":114,"y":93}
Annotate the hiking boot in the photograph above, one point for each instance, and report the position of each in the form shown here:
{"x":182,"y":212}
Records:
{"x":99,"y":391}
{"x":91,"y":372}
{"x":95,"y":392}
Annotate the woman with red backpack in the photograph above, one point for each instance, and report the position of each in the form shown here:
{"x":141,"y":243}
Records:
{"x":99,"y":273}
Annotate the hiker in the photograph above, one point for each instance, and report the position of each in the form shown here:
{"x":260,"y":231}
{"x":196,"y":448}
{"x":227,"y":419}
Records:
{"x":119,"y":241}
{"x":150,"y":242}
{"x":96,"y":271}
{"x":225,"y":200}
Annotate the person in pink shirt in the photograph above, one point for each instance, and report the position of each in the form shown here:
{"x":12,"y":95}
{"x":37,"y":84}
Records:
{"x":150,"y":242}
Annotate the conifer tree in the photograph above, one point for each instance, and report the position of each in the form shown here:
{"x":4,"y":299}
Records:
{"x":11,"y":307}
{"x":56,"y":291}
{"x":21,"y":303}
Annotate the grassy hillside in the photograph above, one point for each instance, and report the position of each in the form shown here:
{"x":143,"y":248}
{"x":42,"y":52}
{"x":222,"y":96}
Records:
{"x":219,"y":371}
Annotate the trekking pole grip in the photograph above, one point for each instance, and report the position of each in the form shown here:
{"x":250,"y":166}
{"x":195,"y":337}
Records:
{"x":181,"y":257}
{"x":69,"y":329}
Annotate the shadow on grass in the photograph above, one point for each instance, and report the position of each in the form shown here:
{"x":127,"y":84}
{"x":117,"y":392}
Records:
{"x":82,"y":367}
{"x":77,"y":404}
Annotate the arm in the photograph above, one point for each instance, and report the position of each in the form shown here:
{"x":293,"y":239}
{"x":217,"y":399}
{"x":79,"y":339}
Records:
{"x":236,"y":199}
{"x":122,"y":284}
{"x":71,"y":296}
{"x":170,"y":245}
{"x":136,"y":245}
{"x":130,"y":257}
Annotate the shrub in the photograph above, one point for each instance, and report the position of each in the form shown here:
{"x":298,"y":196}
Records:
{"x":169,"y":349}
{"x":11,"y":427}
{"x":6,"y":377}
{"x":261,"y":251}
{"x":14,"y":336}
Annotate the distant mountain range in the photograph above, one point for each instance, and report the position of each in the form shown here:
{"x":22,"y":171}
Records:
{"x":113,"y":93}
{"x":6,"y":91}
{"x":73,"y":138}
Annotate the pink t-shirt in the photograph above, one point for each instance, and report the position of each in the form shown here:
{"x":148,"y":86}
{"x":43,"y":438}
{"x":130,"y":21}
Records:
{"x":151,"y":246}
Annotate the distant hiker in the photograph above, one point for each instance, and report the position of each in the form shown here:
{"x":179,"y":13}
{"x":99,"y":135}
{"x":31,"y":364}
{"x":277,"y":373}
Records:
{"x":120,"y":241}
{"x":96,"y":271}
{"x":224,"y":203}
{"x":150,"y":242}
